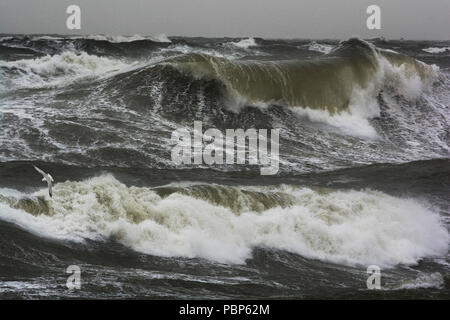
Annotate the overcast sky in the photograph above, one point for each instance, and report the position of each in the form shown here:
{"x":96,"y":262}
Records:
{"x":413,"y":19}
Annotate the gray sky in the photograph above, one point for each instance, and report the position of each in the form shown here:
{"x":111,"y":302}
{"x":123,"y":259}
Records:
{"x":413,"y":19}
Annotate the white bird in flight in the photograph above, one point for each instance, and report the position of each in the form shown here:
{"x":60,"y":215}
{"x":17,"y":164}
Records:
{"x":48,"y":178}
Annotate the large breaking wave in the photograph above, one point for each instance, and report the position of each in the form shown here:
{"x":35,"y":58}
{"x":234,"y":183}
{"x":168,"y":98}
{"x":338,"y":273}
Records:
{"x":356,"y":89}
{"x":225,"y":224}
{"x":339,"y":88}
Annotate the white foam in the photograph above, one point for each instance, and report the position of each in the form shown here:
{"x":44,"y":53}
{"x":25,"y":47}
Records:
{"x":388,"y":50}
{"x":244,"y":43}
{"x":404,"y":79}
{"x":119,"y":38}
{"x":51,"y":38}
{"x":60,"y":69}
{"x":160,"y":38}
{"x":347,"y":227}
{"x":5,"y":38}
{"x":423,"y":281}
{"x":354,"y":121}
{"x":436,"y":50}
{"x":319,"y":47}
{"x":6,"y":286}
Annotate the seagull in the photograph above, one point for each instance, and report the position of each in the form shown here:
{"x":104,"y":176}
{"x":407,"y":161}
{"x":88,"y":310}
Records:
{"x":48,"y":178}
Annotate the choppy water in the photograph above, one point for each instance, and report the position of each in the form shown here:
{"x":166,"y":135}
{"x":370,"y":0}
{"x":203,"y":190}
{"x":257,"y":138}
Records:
{"x":364,"y":168}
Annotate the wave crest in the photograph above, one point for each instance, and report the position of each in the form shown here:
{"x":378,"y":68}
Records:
{"x":348,"y":227}
{"x":339,"y":88}
{"x":59,"y":69}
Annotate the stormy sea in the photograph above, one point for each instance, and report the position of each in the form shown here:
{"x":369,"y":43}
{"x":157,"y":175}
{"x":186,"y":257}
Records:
{"x":363,"y":179}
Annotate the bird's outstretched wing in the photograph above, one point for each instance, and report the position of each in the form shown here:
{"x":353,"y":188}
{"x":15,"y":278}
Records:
{"x":48,"y":178}
{"x":39,"y":170}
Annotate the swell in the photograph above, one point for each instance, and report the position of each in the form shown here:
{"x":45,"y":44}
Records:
{"x":132,"y":46}
{"x":57,"y":70}
{"x":348,"y":227}
{"x":333,"y":216}
{"x":328,"y":82}
{"x":321,"y":83}
{"x":351,"y":75}
{"x":357,"y":91}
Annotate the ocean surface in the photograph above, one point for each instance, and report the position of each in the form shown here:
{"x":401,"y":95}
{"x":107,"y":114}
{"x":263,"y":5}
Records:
{"x":364,"y":173}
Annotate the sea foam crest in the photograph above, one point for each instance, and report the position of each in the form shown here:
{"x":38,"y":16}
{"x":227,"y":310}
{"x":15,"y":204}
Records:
{"x":319,"y":47}
{"x":245,"y":43}
{"x":59,"y":69}
{"x":436,"y":50}
{"x":342,"y":226}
